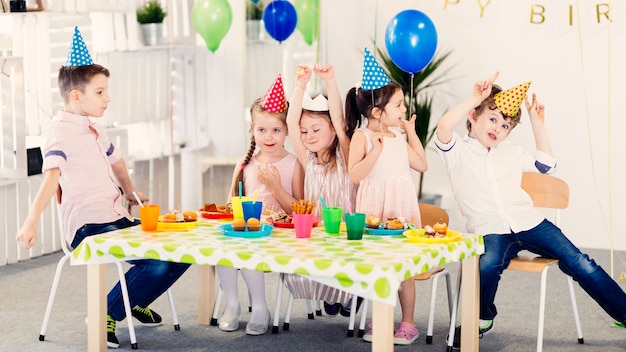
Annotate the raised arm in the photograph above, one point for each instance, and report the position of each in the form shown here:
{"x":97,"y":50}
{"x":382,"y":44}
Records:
{"x":417,"y":155}
{"x":454,"y":116}
{"x":536,"y":115}
{"x":27,"y":236}
{"x":327,"y":73}
{"x":303,"y":75}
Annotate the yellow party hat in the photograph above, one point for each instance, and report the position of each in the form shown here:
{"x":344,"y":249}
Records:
{"x":509,"y":101}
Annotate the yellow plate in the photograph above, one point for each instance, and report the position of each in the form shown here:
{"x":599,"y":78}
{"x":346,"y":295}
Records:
{"x":417,"y":236}
{"x":161,"y":226}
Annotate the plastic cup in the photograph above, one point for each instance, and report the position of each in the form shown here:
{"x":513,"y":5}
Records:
{"x":355,"y":224}
{"x":149,"y":216}
{"x":303,"y":223}
{"x":332,"y":219}
{"x":251,"y":210}
{"x":236,"y":204}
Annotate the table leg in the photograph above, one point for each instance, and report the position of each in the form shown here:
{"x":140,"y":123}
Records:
{"x":469,"y":304}
{"x":96,"y":308}
{"x":382,"y":316}
{"x":206,"y":293}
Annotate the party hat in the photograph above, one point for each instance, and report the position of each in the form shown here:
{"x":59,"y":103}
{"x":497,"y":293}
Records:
{"x":373,"y":75}
{"x":79,"y":55}
{"x":509,"y":101}
{"x":274,"y":99}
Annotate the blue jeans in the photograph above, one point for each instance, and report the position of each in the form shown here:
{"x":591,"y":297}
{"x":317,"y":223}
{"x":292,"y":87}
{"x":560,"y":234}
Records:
{"x":547,"y":240}
{"x":146,"y":280}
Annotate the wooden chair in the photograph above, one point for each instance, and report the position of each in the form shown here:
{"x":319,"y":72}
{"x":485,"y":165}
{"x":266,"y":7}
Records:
{"x":57,"y":276}
{"x":430,"y":215}
{"x":553,"y":193}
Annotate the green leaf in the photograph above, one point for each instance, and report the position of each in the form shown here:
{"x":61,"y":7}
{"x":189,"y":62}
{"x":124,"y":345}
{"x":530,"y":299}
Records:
{"x":151,"y":12}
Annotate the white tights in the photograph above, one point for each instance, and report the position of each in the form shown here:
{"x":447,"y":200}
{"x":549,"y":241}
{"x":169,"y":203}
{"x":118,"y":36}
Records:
{"x":255,"y":281}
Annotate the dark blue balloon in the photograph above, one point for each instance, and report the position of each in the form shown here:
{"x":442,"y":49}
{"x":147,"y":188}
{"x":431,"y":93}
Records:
{"x":280,"y":19}
{"x":411,"y":40}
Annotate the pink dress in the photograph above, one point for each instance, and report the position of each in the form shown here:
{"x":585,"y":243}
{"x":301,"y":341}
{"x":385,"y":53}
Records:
{"x":388,"y":190}
{"x":285,"y":168}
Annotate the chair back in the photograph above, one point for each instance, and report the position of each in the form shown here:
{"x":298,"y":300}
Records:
{"x":546,"y":191}
{"x":64,"y":245}
{"x":431,"y":214}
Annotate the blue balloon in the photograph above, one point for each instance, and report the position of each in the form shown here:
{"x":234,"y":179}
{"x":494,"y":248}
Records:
{"x":280,"y":19}
{"x":411,"y":40}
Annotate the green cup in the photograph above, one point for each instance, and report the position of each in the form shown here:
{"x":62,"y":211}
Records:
{"x":332,"y":219}
{"x":355,"y":224}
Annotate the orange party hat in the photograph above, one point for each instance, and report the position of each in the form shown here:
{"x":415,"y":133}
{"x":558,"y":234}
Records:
{"x":274,"y":99}
{"x":509,"y":101}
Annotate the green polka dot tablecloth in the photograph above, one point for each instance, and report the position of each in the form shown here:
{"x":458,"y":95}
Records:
{"x":372,"y":267}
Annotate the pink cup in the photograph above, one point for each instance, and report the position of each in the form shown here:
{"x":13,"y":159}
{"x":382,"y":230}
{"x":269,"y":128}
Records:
{"x":303,"y":223}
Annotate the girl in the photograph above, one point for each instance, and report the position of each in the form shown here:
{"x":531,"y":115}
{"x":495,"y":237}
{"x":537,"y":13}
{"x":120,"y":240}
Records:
{"x":381,"y":162}
{"x":322,"y":146}
{"x":277,"y":177}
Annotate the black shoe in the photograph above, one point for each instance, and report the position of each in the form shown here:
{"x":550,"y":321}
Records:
{"x":146,"y":317}
{"x":482,"y":331}
{"x":332,"y":308}
{"x":345,"y":310}
{"x":112,"y":340}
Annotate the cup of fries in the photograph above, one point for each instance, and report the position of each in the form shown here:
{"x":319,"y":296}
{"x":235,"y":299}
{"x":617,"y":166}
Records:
{"x":303,"y":211}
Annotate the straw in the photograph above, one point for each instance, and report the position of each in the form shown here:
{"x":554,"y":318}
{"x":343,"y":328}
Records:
{"x":347,"y":201}
{"x":137,"y":198}
{"x":256,"y":193}
{"x":323,"y":203}
{"x":240,"y":191}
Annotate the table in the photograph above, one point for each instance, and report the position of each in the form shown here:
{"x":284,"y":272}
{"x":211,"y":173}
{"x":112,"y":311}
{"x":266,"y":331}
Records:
{"x":372,"y":268}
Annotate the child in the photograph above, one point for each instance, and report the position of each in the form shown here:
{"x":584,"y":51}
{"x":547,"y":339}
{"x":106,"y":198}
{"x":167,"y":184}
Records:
{"x":277,"y":177}
{"x":318,"y":137}
{"x":494,"y":204}
{"x":381,"y":162}
{"x":80,"y":159}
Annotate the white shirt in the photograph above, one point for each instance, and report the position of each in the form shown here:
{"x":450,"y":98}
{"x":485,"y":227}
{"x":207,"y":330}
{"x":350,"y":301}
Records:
{"x":487,"y":184}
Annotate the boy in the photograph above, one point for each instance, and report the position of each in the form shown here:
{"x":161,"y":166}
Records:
{"x":485,"y":172}
{"x":81,"y":161}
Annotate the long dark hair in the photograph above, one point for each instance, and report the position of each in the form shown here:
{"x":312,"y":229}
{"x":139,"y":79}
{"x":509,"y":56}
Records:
{"x":360,"y":103}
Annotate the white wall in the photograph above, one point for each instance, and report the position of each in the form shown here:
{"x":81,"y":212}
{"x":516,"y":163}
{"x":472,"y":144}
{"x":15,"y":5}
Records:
{"x":577,"y":71}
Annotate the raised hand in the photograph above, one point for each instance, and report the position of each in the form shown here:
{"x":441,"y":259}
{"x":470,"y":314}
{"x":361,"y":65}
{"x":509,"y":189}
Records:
{"x":535,"y":109}
{"x":303,"y":76}
{"x":324,"y":71}
{"x":408,"y":125}
{"x":482,"y":89}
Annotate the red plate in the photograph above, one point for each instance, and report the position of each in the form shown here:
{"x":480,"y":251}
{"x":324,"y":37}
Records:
{"x":215,"y":215}
{"x":289,"y":225}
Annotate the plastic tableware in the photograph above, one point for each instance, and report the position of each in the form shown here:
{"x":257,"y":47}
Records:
{"x":251,"y":209}
{"x":303,"y":223}
{"x":332,"y":219}
{"x":236,"y":204}
{"x":355,"y":224}
{"x":149,"y":216}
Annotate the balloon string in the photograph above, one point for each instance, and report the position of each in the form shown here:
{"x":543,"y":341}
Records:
{"x":411,"y":95}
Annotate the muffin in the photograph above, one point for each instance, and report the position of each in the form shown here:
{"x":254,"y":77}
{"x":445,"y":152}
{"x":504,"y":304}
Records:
{"x":254,"y":224}
{"x":169,"y":217}
{"x":190,"y":216}
{"x":239,"y":225}
{"x":373,"y":222}
{"x":395,"y":224}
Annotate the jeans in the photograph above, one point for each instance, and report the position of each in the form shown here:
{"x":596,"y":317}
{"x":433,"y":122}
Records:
{"x":547,"y":240}
{"x":147,"y":279}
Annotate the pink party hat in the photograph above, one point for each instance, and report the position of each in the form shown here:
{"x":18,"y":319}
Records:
{"x":374,"y":76}
{"x":509,"y":101}
{"x":274,"y":99}
{"x":78,"y":55}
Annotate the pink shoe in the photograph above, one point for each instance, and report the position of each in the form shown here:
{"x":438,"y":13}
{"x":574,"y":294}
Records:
{"x":406,"y":334}
{"x":368,"y":335}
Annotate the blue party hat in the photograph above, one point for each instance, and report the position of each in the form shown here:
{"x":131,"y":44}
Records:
{"x":79,"y":55}
{"x":373,"y":75}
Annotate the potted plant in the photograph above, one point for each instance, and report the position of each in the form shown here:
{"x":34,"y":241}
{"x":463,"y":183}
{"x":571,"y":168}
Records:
{"x":150,"y":16}
{"x":254,"y":17}
{"x":419,"y":96}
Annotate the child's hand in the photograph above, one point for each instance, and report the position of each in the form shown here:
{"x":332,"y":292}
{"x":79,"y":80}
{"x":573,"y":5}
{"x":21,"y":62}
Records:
{"x":26,"y":237}
{"x":408,"y":125}
{"x":268,"y":175}
{"x":377,"y":141}
{"x":535,"y":109}
{"x":132,"y":201}
{"x":482,"y":89}
{"x":303,"y":75}
{"x":324,"y":71}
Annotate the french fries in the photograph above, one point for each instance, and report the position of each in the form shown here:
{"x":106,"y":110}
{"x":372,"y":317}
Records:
{"x":302,"y":207}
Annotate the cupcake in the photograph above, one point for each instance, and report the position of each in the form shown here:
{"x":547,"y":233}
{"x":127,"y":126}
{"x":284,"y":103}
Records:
{"x":254,"y":224}
{"x":238,"y":225}
{"x":373,"y":222}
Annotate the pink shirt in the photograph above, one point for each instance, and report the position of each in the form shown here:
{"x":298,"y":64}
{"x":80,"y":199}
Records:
{"x":83,"y":153}
{"x":285,"y":168}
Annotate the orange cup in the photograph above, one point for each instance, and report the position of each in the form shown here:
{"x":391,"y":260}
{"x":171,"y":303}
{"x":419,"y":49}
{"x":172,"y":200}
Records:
{"x":149,"y":216}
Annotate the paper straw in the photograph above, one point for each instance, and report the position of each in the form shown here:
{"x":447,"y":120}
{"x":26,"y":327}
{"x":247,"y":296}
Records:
{"x":348,"y":208}
{"x":256,"y":193}
{"x":240,"y":191}
{"x":137,"y":198}
{"x":323,"y":203}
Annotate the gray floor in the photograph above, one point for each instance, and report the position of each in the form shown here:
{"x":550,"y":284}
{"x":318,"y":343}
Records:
{"x":24,"y":290}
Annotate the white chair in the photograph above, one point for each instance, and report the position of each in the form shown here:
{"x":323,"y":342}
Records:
{"x":57,"y":276}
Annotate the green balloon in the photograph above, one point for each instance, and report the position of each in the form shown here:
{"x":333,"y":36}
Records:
{"x":308,"y":12}
{"x":212,"y":20}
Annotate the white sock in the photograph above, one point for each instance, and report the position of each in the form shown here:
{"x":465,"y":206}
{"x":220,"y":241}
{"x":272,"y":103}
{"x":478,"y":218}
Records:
{"x":255,"y":280}
{"x":228,"y":280}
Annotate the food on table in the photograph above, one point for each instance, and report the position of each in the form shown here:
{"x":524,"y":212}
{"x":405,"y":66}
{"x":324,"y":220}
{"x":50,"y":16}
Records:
{"x":225,"y":209}
{"x":239,"y":225}
{"x":169,"y":217}
{"x":253,"y":224}
{"x":213,"y":208}
{"x":303,"y":207}
{"x":441,"y":227}
{"x":189,"y":216}
{"x":373,"y":222}
{"x":210,"y":207}
{"x":394,"y":224}
{"x":430,"y":232}
{"x":281,"y":216}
